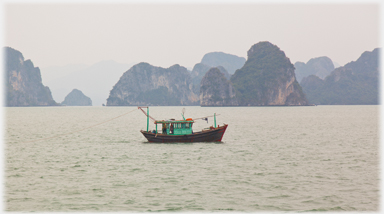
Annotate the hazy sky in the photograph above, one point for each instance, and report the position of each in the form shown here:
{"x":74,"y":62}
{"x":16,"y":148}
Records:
{"x":167,"y":34}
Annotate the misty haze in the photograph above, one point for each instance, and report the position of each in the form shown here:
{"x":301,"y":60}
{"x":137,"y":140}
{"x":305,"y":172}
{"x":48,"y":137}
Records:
{"x":191,"y":107}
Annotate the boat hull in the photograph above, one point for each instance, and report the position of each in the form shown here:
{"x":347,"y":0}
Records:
{"x":213,"y":135}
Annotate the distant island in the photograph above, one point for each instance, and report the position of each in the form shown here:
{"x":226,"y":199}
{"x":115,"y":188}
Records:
{"x":265,"y":78}
{"x":226,"y":63}
{"x":145,"y":84}
{"x":76,"y":98}
{"x":217,"y":90}
{"x":229,"y":62}
{"x":320,"y":66}
{"x":356,"y":83}
{"x":96,"y":80}
{"x":23,"y":83}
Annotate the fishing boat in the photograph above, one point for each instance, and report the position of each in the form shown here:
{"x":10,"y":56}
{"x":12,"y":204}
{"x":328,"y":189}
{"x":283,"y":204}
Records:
{"x":181,"y":130}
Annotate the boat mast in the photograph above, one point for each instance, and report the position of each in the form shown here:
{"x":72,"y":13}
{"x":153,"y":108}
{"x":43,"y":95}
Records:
{"x":214,"y":116}
{"x":147,"y":118}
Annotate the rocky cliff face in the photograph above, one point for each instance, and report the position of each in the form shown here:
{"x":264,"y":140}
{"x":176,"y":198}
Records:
{"x":198,"y":72}
{"x":225,"y":72}
{"x":77,"y":98}
{"x":216,"y":90}
{"x":267,"y":78}
{"x":23,"y":82}
{"x":320,"y":66}
{"x":356,"y":83}
{"x":144,"y":84}
{"x":230,"y":62}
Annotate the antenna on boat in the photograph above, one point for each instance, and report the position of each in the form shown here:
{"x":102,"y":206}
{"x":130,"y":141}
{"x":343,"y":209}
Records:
{"x":182,"y":113}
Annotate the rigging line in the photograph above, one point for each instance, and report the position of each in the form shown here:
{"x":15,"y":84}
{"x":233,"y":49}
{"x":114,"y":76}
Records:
{"x":150,"y":117}
{"x":204,"y":117}
{"x":80,"y":129}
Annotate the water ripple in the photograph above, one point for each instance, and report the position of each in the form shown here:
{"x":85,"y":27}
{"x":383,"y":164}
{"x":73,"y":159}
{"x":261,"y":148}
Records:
{"x":279,"y":159}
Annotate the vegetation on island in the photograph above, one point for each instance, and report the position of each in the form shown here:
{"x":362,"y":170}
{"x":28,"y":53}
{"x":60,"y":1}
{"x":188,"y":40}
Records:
{"x":144,"y":84}
{"x":216,"y":89}
{"x":356,"y":83}
{"x":265,"y":72}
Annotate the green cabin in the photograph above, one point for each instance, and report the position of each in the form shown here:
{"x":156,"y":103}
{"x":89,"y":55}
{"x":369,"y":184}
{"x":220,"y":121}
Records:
{"x":172,"y":126}
{"x":180,"y":127}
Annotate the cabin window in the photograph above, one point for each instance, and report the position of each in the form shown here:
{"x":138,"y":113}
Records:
{"x":187,"y":125}
{"x":183,"y":125}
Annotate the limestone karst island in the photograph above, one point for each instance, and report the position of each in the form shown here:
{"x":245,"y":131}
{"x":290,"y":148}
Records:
{"x":266,"y":78}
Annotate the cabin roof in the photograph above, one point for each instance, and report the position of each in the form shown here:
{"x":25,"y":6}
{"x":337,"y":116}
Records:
{"x":174,"y":121}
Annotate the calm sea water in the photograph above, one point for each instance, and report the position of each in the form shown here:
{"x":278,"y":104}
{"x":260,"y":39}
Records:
{"x":323,"y":158}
